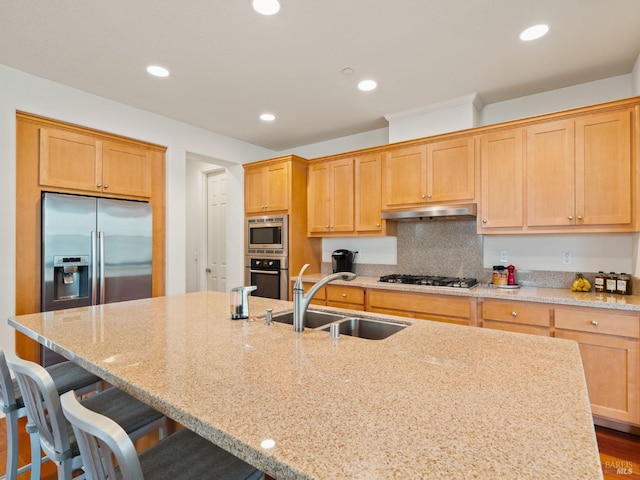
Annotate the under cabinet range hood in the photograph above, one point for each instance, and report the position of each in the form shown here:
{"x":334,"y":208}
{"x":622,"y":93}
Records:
{"x":433,"y":212}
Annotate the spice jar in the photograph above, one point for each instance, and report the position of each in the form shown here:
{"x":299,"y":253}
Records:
{"x":611,"y":283}
{"x":623,"y":284}
{"x":500,"y":275}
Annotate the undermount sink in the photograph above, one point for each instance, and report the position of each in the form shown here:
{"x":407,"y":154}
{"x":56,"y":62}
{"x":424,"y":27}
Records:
{"x":312,"y":318}
{"x":367,"y":328}
{"x":353,"y":326}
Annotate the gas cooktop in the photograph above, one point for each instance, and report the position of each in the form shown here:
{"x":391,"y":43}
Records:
{"x":430,"y":280}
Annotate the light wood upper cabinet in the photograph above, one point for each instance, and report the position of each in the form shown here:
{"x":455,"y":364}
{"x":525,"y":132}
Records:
{"x":550,"y":174}
{"x":604,"y":168}
{"x":330,"y":197}
{"x":435,"y":172}
{"x":266,"y":188}
{"x":126,"y":170}
{"x":77,"y":161}
{"x":579,"y":172}
{"x":404,"y":177}
{"x":501,"y":173}
{"x":69,"y":160}
{"x":451,"y":172}
{"x":368,"y":194}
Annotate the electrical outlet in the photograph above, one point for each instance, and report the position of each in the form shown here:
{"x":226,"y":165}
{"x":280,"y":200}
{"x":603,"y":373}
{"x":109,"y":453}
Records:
{"x":504,"y":256}
{"x":567,"y":258}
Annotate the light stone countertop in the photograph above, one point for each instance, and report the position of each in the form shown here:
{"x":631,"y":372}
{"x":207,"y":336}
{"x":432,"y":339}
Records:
{"x":434,"y":400}
{"x":559,"y":296}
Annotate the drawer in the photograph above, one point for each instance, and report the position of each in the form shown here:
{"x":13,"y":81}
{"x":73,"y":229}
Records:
{"x":516,"y":312}
{"x":345,"y":294}
{"x":320,"y":294}
{"x":420,"y":304}
{"x":590,"y":320}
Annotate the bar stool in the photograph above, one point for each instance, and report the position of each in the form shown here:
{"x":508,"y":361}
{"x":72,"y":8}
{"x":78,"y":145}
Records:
{"x":66,"y":376}
{"x":42,"y":402}
{"x":182,"y":455}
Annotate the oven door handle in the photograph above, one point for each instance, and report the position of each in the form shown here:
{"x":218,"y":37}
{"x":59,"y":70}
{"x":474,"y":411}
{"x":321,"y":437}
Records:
{"x":267,"y":272}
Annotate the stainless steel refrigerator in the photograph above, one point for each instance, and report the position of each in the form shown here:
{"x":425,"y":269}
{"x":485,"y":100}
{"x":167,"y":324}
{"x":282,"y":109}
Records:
{"x":94,"y":251}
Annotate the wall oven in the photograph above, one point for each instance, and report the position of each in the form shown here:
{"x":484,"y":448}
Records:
{"x":270,"y":275}
{"x":266,"y":256}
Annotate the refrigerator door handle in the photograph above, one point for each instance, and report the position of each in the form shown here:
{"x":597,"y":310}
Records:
{"x":103,"y":292}
{"x":94,"y":269}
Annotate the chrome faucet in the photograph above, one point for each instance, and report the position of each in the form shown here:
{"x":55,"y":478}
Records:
{"x":301,"y":301}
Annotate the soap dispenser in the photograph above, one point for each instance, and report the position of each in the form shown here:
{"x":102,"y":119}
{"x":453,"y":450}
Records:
{"x":240,"y":302}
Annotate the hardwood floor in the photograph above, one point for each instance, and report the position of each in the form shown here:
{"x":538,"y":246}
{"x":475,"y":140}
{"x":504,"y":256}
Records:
{"x":619,"y":454}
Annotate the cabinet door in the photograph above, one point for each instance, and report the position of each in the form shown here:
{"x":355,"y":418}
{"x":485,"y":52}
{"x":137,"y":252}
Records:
{"x":254,"y":190}
{"x":611,"y":368}
{"x":126,"y":170}
{"x":404,"y":180}
{"x":277,"y":187}
{"x":319,"y":198}
{"x":550,"y":173}
{"x":501,"y":176}
{"x":342,"y":197}
{"x":368,"y":193}
{"x":70,"y":160}
{"x":451,"y":173}
{"x":603,"y":169}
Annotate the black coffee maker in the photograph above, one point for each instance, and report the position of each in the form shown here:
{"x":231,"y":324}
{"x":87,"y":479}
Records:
{"x":342,"y":261}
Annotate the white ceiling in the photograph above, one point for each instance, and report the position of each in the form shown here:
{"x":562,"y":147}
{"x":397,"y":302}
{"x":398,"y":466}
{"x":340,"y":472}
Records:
{"x":229,"y":64}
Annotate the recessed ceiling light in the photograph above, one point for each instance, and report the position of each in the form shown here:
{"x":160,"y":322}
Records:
{"x":367,"y":85}
{"x":266,"y":7}
{"x":267,"y":117}
{"x":157,"y":71}
{"x":534,"y":32}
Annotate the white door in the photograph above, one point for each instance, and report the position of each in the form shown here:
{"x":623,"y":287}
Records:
{"x":216,"y":231}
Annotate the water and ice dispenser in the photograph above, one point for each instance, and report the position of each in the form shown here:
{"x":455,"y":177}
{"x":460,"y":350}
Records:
{"x":70,"y":277}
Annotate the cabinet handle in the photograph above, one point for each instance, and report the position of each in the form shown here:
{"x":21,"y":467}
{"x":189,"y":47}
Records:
{"x":514,"y":314}
{"x":594,"y":323}
{"x":579,"y":217}
{"x":424,"y":196}
{"x":99,"y":185}
{"x":106,"y":185}
{"x":429,"y":195}
{"x":571,"y":217}
{"x":484,"y":220}
{"x":377,"y":225}
{"x":344,"y":295}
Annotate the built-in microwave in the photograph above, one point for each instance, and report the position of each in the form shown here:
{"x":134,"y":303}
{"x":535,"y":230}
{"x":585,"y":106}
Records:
{"x":267,"y":235}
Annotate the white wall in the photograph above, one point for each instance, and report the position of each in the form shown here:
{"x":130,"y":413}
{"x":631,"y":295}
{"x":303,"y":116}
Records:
{"x":349,"y":143}
{"x":455,"y":114}
{"x":589,"y":252}
{"x":31,"y":94}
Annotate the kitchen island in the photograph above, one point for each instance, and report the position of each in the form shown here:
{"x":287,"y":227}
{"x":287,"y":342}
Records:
{"x":431,"y":401}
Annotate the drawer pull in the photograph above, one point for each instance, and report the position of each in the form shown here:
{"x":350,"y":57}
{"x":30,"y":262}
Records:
{"x":594,"y":323}
{"x":514,"y":314}
{"x":344,"y":295}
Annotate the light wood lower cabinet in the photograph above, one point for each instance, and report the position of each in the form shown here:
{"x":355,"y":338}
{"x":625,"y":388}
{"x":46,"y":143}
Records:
{"x":519,"y":317}
{"x":320,"y":298}
{"x":610,"y":348}
{"x":441,"y":308}
{"x":344,"y":296}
